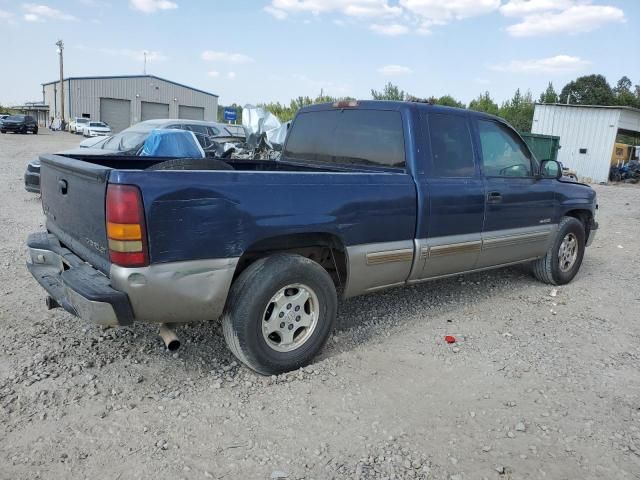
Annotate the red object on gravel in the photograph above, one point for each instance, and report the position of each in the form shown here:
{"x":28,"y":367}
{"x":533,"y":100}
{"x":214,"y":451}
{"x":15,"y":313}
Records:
{"x":450,"y":339}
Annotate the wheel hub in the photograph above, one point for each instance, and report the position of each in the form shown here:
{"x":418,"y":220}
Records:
{"x":290,"y":317}
{"x":568,"y":252}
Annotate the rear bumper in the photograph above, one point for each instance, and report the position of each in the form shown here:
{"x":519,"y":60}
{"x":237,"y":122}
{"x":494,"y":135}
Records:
{"x":74,"y":285}
{"x":32,"y":182}
{"x":176,"y":292}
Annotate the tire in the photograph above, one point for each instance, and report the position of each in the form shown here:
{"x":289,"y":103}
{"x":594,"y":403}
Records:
{"x":3,"y":131}
{"x":548,"y":268}
{"x":251,"y":309}
{"x":35,"y":131}
{"x":191,"y":164}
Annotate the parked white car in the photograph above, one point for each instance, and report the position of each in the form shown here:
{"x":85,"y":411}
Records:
{"x":96,"y":129}
{"x":77,"y":124}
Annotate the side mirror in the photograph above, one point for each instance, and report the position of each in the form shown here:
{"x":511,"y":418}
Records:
{"x":550,"y":169}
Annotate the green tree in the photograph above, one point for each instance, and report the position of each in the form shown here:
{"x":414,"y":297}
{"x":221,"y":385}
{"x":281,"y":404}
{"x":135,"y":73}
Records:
{"x":519,"y":111}
{"x":549,"y":95}
{"x":448,"y":101}
{"x":389,"y":92}
{"x":624,"y":95}
{"x":588,"y":90}
{"x":484,"y":103}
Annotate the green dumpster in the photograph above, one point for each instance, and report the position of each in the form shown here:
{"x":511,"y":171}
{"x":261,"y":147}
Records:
{"x":544,"y":147}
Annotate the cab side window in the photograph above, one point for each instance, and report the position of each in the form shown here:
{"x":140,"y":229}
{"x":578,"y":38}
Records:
{"x":503,"y":153}
{"x":451,"y":150}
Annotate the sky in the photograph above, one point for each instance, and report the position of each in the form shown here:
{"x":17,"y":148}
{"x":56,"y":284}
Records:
{"x":253,"y":51}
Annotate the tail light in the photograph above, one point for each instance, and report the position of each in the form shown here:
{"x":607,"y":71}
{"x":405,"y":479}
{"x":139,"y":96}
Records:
{"x":346,"y":104}
{"x":126,"y":230}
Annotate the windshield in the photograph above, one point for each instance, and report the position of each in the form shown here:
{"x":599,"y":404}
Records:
{"x":18,"y":118}
{"x":97,"y":124}
{"x":82,"y":120}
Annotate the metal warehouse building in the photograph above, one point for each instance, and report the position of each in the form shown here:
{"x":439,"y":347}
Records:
{"x":125,"y":100}
{"x":587,"y":134}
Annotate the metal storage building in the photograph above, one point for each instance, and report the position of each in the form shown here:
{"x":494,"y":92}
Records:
{"x":122,"y":101}
{"x":587,"y":134}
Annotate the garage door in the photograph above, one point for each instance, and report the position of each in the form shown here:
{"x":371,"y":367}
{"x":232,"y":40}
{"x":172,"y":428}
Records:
{"x":151,"y":110}
{"x":115,"y":113}
{"x":190,"y":113}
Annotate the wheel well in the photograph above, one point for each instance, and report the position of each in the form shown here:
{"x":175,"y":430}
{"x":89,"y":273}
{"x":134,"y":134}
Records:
{"x":323,"y":248}
{"x":585,"y":217}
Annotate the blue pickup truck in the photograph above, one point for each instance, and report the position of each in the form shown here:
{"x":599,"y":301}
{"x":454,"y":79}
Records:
{"x":365,"y":196}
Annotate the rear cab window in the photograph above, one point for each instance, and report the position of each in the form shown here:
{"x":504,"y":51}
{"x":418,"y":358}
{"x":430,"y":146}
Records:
{"x":451,"y":145}
{"x":348,"y":138}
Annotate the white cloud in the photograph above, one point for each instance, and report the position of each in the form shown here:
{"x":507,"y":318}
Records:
{"x":551,"y":65}
{"x":214,"y":56}
{"x":390,"y":17}
{"x":4,"y":15}
{"x":276,"y":12}
{"x":574,"y":18}
{"x":444,"y":11}
{"x":392,"y":29}
{"x":231,"y":75}
{"x":517,"y":8}
{"x":352,"y":8}
{"x":213,"y":74}
{"x":40,"y":13}
{"x":152,"y":6}
{"x":394,"y":70}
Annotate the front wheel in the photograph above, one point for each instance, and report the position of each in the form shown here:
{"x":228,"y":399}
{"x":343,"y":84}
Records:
{"x":564,"y":257}
{"x":35,"y":131}
{"x":279,"y":313}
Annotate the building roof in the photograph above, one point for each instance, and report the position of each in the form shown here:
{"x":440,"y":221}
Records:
{"x":572,"y":105}
{"x":115,"y":77}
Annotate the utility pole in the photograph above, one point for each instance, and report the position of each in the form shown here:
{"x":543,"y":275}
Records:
{"x":60,"y":52}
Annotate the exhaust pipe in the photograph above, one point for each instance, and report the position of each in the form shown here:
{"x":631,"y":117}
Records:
{"x":51,"y":303}
{"x":169,"y":337}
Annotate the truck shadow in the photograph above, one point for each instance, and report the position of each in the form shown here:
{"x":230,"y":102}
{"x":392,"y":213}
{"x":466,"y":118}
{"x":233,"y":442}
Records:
{"x":364,"y":319}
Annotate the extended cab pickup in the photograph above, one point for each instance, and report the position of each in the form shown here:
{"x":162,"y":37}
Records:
{"x":366,"y":196}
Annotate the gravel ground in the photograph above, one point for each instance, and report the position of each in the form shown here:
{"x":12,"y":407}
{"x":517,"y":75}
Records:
{"x":541,"y":384}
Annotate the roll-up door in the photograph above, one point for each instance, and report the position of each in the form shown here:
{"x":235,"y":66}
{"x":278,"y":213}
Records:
{"x":116,"y":113}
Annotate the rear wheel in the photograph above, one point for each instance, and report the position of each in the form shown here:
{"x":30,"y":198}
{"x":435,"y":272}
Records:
{"x":564,"y":257}
{"x":280,"y":312}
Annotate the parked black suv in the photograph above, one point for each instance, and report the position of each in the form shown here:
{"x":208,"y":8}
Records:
{"x":19,"y":124}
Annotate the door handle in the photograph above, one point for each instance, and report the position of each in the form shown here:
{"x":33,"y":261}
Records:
{"x":63,"y":186}
{"x":494,"y":197}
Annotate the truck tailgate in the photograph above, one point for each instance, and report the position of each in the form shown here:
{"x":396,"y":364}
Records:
{"x":73,"y":200}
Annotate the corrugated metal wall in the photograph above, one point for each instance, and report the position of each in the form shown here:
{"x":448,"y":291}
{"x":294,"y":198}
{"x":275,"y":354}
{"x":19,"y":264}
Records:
{"x":52,"y":99}
{"x":83,"y":96}
{"x":593,"y":129}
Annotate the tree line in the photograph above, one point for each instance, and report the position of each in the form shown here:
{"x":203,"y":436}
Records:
{"x":518,"y":110}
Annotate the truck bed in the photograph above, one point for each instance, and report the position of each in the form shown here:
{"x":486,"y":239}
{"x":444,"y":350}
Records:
{"x":193,"y":215}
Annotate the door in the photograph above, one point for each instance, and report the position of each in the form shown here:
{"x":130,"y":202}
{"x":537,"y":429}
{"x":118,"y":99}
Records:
{"x":152,"y":110}
{"x":519,"y":219}
{"x":451,"y":192}
{"x":116,"y":113}
{"x":190,"y":113}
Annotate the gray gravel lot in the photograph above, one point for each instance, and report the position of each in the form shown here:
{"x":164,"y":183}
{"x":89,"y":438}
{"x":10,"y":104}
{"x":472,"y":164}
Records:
{"x":538,"y":386}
